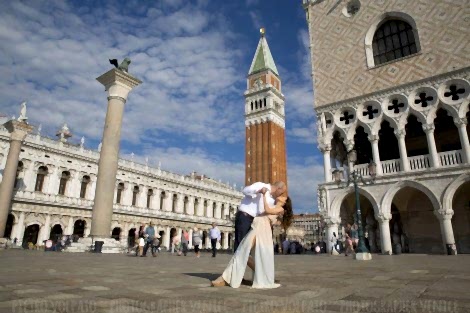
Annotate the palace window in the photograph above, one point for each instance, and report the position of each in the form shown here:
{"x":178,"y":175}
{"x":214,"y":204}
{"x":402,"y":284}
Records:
{"x":18,"y":172}
{"x":149,"y":197}
{"x":64,"y":178}
{"x":120,"y":188}
{"x":84,"y":185}
{"x":393,"y":40}
{"x":135,"y":193}
{"x":42,"y":172}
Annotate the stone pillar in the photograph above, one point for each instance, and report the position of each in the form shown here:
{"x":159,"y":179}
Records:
{"x":385,"y":240}
{"x":332,"y":227}
{"x":51,"y":181}
{"x":118,"y":84}
{"x":90,"y":194}
{"x":87,"y":229}
{"x":191,"y":208}
{"x":225,"y":242}
{"x":190,"y":233}
{"x":69,"y":229}
{"x":180,"y":203}
{"x":400,"y":134}
{"x":166,"y":238}
{"x":73,"y":187}
{"x":155,"y":201}
{"x":461,"y":124}
{"x":29,"y":175}
{"x":218,"y":210}
{"x":18,"y":131}
{"x":374,"y":141}
{"x":429,"y":130}
{"x":445,"y":220}
{"x":168,"y":201}
{"x":20,"y":230}
{"x":200,"y":207}
{"x":209,"y":209}
{"x":142,"y":196}
{"x":326,"y":162}
{"x":46,"y":230}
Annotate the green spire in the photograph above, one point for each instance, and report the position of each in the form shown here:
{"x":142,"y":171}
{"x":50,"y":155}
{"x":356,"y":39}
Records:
{"x":263,"y":59}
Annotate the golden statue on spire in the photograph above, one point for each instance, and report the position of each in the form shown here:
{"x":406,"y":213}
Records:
{"x":262,"y":31}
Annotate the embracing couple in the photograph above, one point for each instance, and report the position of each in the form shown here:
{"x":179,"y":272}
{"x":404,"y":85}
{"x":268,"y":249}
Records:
{"x":263,"y":206}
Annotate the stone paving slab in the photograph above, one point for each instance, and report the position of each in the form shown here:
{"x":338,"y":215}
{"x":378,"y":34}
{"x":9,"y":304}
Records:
{"x":37,"y":281}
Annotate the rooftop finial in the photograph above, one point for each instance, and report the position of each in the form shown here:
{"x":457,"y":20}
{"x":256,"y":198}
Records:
{"x":262,"y":31}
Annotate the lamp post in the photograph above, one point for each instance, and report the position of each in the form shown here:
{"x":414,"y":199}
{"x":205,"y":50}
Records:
{"x":354,"y":178}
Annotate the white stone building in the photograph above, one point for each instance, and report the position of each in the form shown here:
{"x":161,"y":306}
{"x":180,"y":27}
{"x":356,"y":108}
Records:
{"x":391,"y":81}
{"x":55,"y":189}
{"x":311,"y":224}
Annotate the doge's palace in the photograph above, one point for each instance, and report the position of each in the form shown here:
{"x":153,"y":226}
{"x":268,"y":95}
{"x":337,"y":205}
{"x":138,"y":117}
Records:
{"x":55,"y":185}
{"x":391,"y":82}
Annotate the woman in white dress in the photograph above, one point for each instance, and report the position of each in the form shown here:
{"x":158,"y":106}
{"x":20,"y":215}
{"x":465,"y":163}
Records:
{"x":259,"y":240}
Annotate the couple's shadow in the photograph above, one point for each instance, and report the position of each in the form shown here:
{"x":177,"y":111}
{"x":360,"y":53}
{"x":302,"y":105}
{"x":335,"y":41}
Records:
{"x":212,"y":276}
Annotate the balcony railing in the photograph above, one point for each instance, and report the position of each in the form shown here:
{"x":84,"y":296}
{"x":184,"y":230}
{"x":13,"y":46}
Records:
{"x":417,"y":163}
{"x":451,"y":158}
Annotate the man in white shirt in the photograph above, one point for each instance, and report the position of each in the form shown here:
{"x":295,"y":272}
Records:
{"x":214,"y":233}
{"x":252,"y":205}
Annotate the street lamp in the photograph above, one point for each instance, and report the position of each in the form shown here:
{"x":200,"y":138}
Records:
{"x":353,"y":178}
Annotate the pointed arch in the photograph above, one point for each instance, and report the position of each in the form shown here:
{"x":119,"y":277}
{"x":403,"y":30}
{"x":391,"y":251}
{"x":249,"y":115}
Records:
{"x":449,"y":193}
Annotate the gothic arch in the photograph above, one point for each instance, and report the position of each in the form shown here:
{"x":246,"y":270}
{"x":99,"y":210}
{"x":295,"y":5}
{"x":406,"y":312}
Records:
{"x":338,"y":200}
{"x":449,"y":193}
{"x":377,"y":23}
{"x":391,"y":192}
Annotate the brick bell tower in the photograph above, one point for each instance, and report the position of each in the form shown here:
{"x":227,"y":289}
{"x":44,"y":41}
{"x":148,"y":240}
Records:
{"x":265,"y":145}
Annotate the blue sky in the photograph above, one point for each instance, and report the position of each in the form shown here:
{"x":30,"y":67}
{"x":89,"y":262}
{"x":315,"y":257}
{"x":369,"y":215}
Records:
{"x":193,"y":58}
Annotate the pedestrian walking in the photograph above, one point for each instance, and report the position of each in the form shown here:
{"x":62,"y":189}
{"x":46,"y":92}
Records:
{"x":184,"y":242}
{"x":149,"y":237}
{"x":197,"y":240}
{"x":214,"y":233}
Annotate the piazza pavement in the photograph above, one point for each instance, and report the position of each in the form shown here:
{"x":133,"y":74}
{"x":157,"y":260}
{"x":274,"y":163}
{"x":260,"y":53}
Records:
{"x":38,"y":281}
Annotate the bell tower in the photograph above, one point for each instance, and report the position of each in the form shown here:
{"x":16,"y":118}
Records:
{"x":265,"y":145}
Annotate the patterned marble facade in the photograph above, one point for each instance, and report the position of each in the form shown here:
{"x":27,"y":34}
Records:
{"x":55,"y":188}
{"x":408,"y":113}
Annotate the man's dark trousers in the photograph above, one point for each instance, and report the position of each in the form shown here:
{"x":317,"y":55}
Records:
{"x":242,"y":227}
{"x":214,"y":247}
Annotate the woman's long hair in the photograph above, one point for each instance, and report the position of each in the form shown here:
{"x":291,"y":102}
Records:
{"x":288,"y":214}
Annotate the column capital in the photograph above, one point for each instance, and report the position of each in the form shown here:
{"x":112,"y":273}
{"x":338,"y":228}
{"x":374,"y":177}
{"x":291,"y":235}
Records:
{"x":444,"y":214}
{"x":401,"y":133}
{"x":331,"y":221}
{"x":383,"y":217}
{"x":373,"y":138}
{"x":18,"y":130}
{"x":428,"y":128}
{"x":118,"y":83}
{"x":460,"y":122}
{"x":324,"y":148}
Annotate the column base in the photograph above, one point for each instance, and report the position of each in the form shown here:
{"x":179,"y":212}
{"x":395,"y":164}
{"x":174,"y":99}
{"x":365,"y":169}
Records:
{"x":363,"y":256}
{"x":87,"y":245}
{"x":3,"y":243}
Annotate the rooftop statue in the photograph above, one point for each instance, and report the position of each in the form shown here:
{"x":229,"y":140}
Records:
{"x":23,"y":117}
{"x":124,"y":66}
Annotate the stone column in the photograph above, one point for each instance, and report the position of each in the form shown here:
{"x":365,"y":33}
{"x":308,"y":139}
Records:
{"x":445,"y":220}
{"x":461,"y":124}
{"x":180,"y":203}
{"x":225,"y":241}
{"x":385,"y":240}
{"x":118,"y":84}
{"x":46,"y":230}
{"x":168,"y":201}
{"x":52,"y":180}
{"x":87,"y":229}
{"x":374,"y":141}
{"x":218,"y":210}
{"x":429,"y":130}
{"x":209,"y":208}
{"x":191,"y":208}
{"x":326,"y":162}
{"x":332,"y":227}
{"x":20,"y":230}
{"x":18,"y":131}
{"x":29,"y":175}
{"x":155,"y":201}
{"x":190,"y":233}
{"x":69,"y":229}
{"x":200,"y":207}
{"x":405,"y":164}
{"x":73,"y":187}
{"x":166,"y":238}
{"x":90,"y":194}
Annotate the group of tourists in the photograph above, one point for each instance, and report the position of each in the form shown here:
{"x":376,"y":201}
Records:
{"x":146,"y":238}
{"x":350,"y":242}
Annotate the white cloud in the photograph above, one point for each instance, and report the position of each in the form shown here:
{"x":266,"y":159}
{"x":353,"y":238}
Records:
{"x":251,"y":2}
